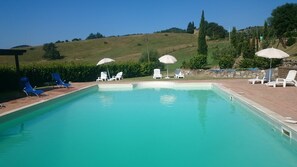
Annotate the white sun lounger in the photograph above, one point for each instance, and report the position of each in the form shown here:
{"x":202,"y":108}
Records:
{"x":262,"y":80}
{"x":289,"y":80}
{"x":157,"y":74}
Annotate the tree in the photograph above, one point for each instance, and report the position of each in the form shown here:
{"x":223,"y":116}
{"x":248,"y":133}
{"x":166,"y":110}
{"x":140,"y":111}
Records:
{"x":233,"y":37}
{"x":284,"y":20}
{"x":153,"y":56}
{"x":198,"y":62}
{"x":215,"y":31}
{"x":265,"y":31}
{"x":172,"y":30}
{"x":202,"y":46}
{"x":51,"y":51}
{"x":265,"y":37}
{"x":95,"y":36}
{"x":191,"y":28}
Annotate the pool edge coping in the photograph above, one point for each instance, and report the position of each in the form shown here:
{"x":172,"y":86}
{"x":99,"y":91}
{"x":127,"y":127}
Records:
{"x":277,"y":120}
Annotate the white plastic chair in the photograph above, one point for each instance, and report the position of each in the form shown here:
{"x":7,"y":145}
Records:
{"x":289,"y":80}
{"x":103,"y":77}
{"x":119,"y":76}
{"x":178,"y":74}
{"x":157,"y":74}
{"x":262,"y":80}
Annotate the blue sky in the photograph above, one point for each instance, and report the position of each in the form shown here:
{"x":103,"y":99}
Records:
{"x":35,"y":22}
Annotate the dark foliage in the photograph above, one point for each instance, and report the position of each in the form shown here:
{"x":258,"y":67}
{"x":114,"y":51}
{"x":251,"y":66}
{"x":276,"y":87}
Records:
{"x":51,"y":51}
{"x":198,"y":62}
{"x":202,"y":46}
{"x":95,"y":36}
{"x":215,"y":31}
{"x":191,"y":27}
{"x":172,"y":30}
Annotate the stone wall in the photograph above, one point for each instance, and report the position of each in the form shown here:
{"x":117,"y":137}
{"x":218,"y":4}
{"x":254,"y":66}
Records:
{"x":231,"y":73}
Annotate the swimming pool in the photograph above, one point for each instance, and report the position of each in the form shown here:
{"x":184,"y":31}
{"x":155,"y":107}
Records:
{"x":141,"y":125}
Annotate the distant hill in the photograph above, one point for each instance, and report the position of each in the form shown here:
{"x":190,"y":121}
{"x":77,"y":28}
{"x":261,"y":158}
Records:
{"x":172,"y":30}
{"x":20,"y":46}
{"x":123,"y":49}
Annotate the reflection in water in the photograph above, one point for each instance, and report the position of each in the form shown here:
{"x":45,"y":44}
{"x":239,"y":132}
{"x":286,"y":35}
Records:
{"x":14,"y":131}
{"x":12,"y":137}
{"x":106,"y":100}
{"x":167,"y":99}
{"x":202,"y":97}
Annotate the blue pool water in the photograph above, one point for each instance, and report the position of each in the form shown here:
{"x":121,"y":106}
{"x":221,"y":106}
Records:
{"x":143,"y":128}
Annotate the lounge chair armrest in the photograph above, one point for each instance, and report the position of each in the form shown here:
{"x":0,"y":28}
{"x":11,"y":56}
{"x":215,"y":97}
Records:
{"x":280,"y":79}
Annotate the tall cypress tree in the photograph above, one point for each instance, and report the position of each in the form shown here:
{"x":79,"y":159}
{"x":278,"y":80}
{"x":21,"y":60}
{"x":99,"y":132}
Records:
{"x":234,"y":41}
{"x":265,"y":31}
{"x":191,"y":27}
{"x":202,"y":46}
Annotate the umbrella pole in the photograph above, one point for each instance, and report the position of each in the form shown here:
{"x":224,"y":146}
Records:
{"x":108,"y":73}
{"x":269,"y":79}
{"x":167,"y":70}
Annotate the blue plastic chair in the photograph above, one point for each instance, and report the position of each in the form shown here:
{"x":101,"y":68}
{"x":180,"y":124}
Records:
{"x":28,"y":89}
{"x":59,"y":81}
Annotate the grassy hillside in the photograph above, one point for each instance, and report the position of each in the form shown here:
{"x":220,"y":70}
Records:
{"x":119,"y":48}
{"x":125,"y":48}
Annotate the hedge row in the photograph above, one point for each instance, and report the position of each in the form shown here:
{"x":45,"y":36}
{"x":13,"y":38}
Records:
{"x":40,"y":75}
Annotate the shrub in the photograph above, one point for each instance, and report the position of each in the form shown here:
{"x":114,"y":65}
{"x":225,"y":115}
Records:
{"x":247,"y":63}
{"x":147,"y":68}
{"x":152,"y":55}
{"x":226,"y":62}
{"x":51,"y":51}
{"x":40,"y":74}
{"x":185,"y":64}
{"x":259,"y":62}
{"x":291,"y":41}
{"x":198,"y":62}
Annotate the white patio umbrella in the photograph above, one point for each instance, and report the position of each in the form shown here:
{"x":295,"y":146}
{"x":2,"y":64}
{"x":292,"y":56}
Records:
{"x":272,"y":53}
{"x":105,"y":61}
{"x":167,"y":59}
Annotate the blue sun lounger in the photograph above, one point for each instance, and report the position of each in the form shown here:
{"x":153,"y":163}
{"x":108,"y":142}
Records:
{"x":59,"y":81}
{"x":28,"y":89}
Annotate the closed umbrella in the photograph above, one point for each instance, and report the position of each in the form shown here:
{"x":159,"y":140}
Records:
{"x":167,"y":59}
{"x":272,"y":53}
{"x":105,"y":61}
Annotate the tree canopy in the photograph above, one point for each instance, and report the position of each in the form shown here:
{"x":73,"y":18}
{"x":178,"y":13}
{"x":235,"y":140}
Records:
{"x":51,"y":51}
{"x":284,"y":20}
{"x":172,"y":30}
{"x":215,"y":31}
{"x":95,"y":36}
{"x":191,"y":27}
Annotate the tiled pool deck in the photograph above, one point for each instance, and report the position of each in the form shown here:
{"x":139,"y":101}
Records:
{"x":282,"y":101}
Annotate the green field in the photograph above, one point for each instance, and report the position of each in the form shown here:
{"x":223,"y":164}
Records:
{"x":125,"y":48}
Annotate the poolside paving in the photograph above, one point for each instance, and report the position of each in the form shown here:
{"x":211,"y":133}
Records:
{"x":15,"y":104}
{"x":279,"y":100}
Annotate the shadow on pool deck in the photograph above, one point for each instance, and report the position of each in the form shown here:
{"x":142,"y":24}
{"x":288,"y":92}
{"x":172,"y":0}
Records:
{"x":50,"y":92}
{"x":279,"y":100}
